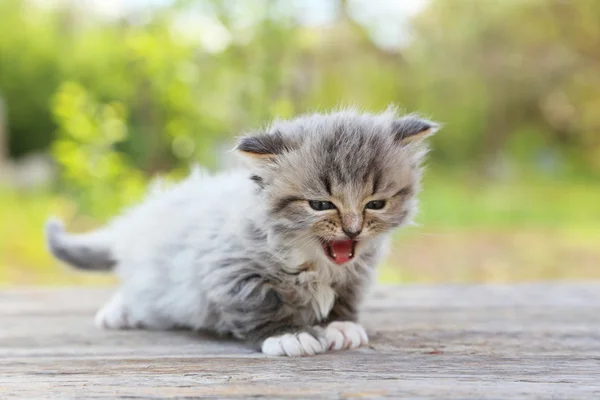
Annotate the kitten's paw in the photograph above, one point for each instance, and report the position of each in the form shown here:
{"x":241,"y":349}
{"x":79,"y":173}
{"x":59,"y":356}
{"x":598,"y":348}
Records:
{"x":294,"y":345}
{"x":113,"y":315}
{"x":343,"y":335}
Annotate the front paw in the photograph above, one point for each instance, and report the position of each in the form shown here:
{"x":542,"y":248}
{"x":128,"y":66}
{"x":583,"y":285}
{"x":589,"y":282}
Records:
{"x":343,"y":335}
{"x":294,"y":345}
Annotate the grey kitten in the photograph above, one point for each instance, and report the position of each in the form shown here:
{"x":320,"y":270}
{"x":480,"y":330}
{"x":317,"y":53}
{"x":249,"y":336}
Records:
{"x":277,"y":254}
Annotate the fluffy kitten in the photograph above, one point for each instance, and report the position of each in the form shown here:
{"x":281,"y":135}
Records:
{"x":278,"y":254}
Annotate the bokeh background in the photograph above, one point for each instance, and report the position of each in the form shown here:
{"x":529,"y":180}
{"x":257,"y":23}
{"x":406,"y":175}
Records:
{"x":98,"y":96}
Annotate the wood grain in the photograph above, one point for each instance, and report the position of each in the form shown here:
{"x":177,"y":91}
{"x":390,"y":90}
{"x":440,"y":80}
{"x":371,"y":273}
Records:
{"x":467,"y":342}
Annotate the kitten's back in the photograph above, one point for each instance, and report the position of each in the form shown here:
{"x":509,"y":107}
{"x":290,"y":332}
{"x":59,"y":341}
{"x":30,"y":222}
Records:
{"x":202,"y":202}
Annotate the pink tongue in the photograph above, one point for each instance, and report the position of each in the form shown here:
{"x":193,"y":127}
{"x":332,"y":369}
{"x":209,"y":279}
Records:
{"x":342,"y":250}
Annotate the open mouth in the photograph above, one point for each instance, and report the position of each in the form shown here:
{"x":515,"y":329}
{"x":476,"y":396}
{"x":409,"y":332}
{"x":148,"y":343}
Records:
{"x":340,"y":251}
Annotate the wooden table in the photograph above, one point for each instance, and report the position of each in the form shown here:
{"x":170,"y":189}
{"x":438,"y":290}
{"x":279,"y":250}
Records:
{"x":469,"y":342}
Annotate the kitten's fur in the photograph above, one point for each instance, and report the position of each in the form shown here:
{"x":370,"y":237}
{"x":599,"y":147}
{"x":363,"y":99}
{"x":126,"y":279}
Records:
{"x":240,"y":253}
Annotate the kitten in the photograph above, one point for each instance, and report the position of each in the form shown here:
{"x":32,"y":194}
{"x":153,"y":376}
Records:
{"x":277,"y":254}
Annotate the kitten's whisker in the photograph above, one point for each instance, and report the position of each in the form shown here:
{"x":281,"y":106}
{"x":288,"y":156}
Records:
{"x":289,"y":247}
{"x":299,"y":244}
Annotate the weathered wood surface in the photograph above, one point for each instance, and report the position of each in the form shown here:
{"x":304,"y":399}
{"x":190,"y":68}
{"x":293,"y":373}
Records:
{"x":467,"y":342}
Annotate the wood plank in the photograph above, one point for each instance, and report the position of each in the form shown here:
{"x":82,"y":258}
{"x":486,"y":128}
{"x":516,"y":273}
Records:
{"x":469,"y":342}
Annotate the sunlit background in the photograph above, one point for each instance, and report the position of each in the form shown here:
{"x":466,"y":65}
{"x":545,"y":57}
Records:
{"x":97,"y":96}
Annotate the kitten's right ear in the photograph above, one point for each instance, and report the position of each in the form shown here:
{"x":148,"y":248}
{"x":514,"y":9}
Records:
{"x":265,"y":146}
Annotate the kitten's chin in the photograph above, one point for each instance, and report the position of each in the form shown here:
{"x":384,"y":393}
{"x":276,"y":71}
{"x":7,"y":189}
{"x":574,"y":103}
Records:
{"x":340,"y":251}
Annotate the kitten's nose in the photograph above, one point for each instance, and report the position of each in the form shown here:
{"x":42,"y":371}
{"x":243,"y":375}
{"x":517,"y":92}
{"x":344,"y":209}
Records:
{"x":352,"y":234}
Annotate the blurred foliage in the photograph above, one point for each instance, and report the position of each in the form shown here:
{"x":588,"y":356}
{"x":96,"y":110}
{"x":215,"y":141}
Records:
{"x":29,"y":73}
{"x":85,"y":150}
{"x":515,"y":82}
{"x":115,"y":101}
{"x":517,"y":78}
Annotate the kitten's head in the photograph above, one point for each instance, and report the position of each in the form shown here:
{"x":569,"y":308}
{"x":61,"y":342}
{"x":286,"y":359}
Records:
{"x":339,"y":180}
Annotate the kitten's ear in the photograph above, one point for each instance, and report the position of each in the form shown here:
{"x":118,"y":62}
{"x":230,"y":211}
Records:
{"x":411,"y":129}
{"x":265,"y":146}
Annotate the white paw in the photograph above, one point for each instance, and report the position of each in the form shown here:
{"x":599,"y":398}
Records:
{"x":294,"y":345}
{"x":113,"y":315}
{"x":342,"y":335}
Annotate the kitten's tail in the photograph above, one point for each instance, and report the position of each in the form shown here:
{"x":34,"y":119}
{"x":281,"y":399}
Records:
{"x":89,"y":251}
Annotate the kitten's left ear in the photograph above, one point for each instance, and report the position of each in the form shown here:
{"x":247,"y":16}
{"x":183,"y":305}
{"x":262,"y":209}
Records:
{"x":411,"y":129}
{"x":265,"y":146}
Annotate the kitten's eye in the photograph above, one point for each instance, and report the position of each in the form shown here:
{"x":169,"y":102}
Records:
{"x":375,"y":205}
{"x":320,"y":205}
